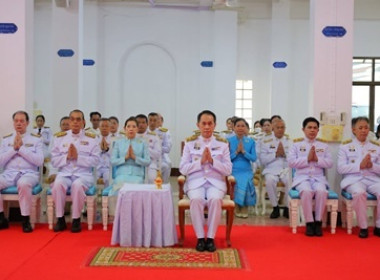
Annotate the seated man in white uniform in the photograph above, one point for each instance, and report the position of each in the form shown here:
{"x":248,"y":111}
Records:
{"x":104,"y":167}
{"x":75,"y":153}
{"x":206,"y":161}
{"x":21,"y":154}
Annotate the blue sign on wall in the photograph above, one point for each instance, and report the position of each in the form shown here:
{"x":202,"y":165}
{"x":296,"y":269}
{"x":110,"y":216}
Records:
{"x":280,"y":64}
{"x":334,"y":31}
{"x":8,"y":28}
{"x":207,"y":64}
{"x":88,"y":62}
{"x":65,"y":53}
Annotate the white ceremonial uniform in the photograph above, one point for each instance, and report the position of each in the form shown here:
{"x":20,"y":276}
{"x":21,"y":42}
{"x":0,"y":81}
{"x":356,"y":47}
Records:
{"x":93,"y":131}
{"x":104,"y":167}
{"x":275,"y":169}
{"x":309,"y":178}
{"x":46,"y":137}
{"x":360,"y":181}
{"x":21,"y":167}
{"x":155,"y":153}
{"x":227,"y":133}
{"x":77,"y":174}
{"x":205,"y":184}
{"x":166,"y":142}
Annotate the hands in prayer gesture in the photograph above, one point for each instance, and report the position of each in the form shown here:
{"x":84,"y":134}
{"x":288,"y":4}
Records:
{"x":280,"y":150}
{"x":17,"y":142}
{"x":366,"y":162}
{"x":240,"y":148}
{"x":104,"y":145}
{"x":130,"y":154}
{"x":312,"y":155}
{"x":72,"y":153}
{"x":206,"y":156}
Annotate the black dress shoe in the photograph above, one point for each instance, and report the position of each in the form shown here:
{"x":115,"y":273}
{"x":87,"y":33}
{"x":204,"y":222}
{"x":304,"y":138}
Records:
{"x":26,"y":226}
{"x":318,"y":229}
{"x":363,"y":233}
{"x":275,"y":213}
{"x":60,"y":225}
{"x":76,"y":227}
{"x":210,"y":245}
{"x":376,"y":231}
{"x":201,"y":245}
{"x":285,"y":214}
{"x":3,"y":221}
{"x":310,"y":229}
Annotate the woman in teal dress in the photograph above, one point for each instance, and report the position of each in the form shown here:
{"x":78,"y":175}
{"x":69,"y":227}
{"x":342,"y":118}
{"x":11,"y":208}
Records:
{"x":130,"y":156}
{"x":243,"y":153}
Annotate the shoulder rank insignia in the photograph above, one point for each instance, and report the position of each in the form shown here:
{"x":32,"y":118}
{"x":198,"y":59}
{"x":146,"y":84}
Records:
{"x":89,"y":134}
{"x":344,"y":142}
{"x":46,"y":126}
{"x":197,"y":132}
{"x":35,"y":127}
{"x":60,"y":134}
{"x":226,"y":131}
{"x":151,"y":133}
{"x":163,"y":129}
{"x":374,"y":142}
{"x":286,"y":136}
{"x":216,"y":133}
{"x":8,"y":135}
{"x":221,"y":139}
{"x":192,"y":138}
{"x":298,"y":140}
{"x":122,"y":132}
{"x":321,"y":140}
{"x":268,"y":140}
{"x":35,"y":135}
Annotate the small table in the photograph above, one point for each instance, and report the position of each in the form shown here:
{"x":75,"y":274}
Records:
{"x":144,"y":217}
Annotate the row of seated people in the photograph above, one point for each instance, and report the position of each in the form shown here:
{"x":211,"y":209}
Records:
{"x":76,"y":152}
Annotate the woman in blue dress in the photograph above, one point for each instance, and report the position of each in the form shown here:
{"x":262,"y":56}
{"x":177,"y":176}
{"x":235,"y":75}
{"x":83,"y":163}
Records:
{"x":130,"y":156}
{"x":243,"y":153}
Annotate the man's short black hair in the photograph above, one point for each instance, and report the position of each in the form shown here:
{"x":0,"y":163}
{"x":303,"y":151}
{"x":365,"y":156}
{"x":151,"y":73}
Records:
{"x":21,"y":112}
{"x":95,"y":113}
{"x":64,"y":118}
{"x":354,"y":121}
{"x":142,"y":116}
{"x":114,"y":118}
{"x":40,"y":116}
{"x":309,"y":119}
{"x":77,"y":111}
{"x":206,"y":112}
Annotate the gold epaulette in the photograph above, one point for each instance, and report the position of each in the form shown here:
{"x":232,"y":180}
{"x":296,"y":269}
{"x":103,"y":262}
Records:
{"x":197,"y":132}
{"x":226,"y":131}
{"x":88,"y":128}
{"x":287,"y":136}
{"x":216,"y":133}
{"x":192,"y":138}
{"x":46,"y":126}
{"x":321,"y":140}
{"x":35,"y":135}
{"x":122,"y":132}
{"x":8,"y":135}
{"x":89,"y":134}
{"x":35,"y":127}
{"x":60,"y":134}
{"x":344,"y":142}
{"x":298,"y":140}
{"x":151,"y":133}
{"x":163,"y":129}
{"x":221,"y":139}
{"x":374,"y":142}
{"x":269,"y":133}
{"x":253,"y":133}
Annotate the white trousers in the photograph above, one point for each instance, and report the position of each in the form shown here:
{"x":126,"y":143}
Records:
{"x":271,"y":181}
{"x":78,"y":196}
{"x":309,"y":190}
{"x":209,"y":196}
{"x":359,"y":200}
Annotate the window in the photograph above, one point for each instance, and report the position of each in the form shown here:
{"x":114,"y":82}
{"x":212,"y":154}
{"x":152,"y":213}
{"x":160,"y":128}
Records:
{"x":366,"y":88}
{"x":243,"y":100}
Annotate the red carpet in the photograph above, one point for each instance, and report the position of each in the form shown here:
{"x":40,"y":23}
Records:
{"x":268,"y":253}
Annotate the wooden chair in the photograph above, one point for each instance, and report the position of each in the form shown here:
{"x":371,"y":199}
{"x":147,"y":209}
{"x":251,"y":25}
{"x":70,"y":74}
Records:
{"x":348,"y":211}
{"x":228,"y":204}
{"x":11,"y":194}
{"x":331,"y":206}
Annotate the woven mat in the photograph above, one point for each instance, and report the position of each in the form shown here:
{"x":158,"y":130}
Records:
{"x":166,"y":257}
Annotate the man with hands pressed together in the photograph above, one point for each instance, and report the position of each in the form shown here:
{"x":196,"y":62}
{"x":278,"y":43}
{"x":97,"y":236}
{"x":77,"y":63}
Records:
{"x":359,"y":163}
{"x":205,"y":162}
{"x":310,"y":156}
{"x":21,"y":154}
{"x":75,"y":153}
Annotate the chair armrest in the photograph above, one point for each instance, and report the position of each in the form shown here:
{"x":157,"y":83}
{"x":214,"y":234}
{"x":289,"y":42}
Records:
{"x":181,"y":183}
{"x":231,"y":186}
